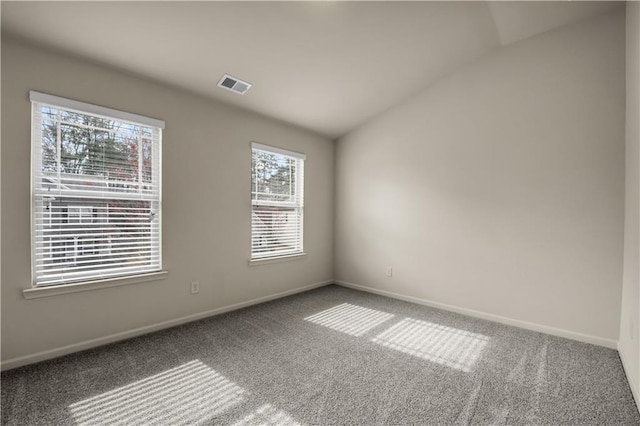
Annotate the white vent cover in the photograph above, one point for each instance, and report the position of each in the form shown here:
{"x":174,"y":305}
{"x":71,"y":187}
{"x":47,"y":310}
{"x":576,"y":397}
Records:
{"x":234,"y":84}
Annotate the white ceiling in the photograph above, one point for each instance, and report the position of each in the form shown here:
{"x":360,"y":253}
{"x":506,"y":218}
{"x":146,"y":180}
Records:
{"x":519,"y":20}
{"x":324,"y":66}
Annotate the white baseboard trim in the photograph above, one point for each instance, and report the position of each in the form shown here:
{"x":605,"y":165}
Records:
{"x":633,"y":384}
{"x":586,"y":338}
{"x":100,"y":341}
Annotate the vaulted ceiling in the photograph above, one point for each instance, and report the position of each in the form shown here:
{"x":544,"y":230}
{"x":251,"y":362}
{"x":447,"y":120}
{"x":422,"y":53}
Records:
{"x":325,"y":66}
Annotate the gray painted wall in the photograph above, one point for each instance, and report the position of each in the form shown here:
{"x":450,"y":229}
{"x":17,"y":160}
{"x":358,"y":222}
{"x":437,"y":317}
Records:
{"x":630,"y":316}
{"x":206,"y":206}
{"x":500,"y":189}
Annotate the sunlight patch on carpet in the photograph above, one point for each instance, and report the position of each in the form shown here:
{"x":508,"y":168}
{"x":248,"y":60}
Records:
{"x":266,"y":415}
{"x":444,"y":345}
{"x":351,"y":319}
{"x":187,"y":394}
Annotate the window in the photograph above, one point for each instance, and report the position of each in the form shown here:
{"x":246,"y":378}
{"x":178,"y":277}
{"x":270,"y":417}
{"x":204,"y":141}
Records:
{"x":277,"y":199}
{"x":96,"y":192}
{"x":80,"y":214}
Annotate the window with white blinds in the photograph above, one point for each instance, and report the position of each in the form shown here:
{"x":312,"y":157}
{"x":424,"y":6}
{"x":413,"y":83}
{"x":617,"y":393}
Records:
{"x":277,"y":199}
{"x":96,"y":192}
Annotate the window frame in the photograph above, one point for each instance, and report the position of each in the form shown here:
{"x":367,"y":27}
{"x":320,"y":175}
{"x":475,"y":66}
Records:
{"x":298,"y":205}
{"x":104,"y":277}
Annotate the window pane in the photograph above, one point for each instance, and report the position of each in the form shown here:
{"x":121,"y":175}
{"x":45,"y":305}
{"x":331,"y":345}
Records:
{"x":81,"y":236}
{"x":274,"y":177}
{"x":275,"y":229}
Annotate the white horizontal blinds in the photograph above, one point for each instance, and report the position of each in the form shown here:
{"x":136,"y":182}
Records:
{"x":96,"y":196}
{"x":277,"y":198}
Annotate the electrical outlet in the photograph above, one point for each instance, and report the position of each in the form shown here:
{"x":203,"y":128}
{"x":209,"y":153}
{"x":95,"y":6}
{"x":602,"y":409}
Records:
{"x":195,"y":287}
{"x":389,"y":271}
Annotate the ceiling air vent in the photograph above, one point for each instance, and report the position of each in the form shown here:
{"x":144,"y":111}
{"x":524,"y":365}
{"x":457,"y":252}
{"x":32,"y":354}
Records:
{"x":234,"y":84}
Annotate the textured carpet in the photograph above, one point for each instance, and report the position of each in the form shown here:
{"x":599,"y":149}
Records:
{"x":328,"y":356}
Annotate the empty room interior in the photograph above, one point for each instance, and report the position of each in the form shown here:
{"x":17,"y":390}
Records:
{"x":320,"y":213}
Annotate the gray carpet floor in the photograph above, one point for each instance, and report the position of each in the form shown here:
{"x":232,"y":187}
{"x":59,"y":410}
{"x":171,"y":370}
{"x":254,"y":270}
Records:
{"x":330,"y":356}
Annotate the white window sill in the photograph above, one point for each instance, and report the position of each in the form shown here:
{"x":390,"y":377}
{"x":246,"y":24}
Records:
{"x":276,"y":259}
{"x":55,"y":290}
